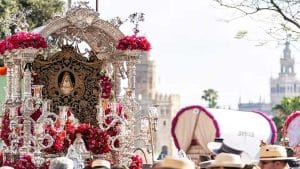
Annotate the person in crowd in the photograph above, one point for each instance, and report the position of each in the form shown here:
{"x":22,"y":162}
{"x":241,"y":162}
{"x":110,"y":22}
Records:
{"x":274,"y":157}
{"x":175,"y":163}
{"x":227,"y":161}
{"x":219,"y":146}
{"x":205,"y":161}
{"x":156,"y":164}
{"x":251,"y":166}
{"x":290,"y":152}
{"x":101,"y":164}
{"x":61,"y":163}
{"x":163,"y":153}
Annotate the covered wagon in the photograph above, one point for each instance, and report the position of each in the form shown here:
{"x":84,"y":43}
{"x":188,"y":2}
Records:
{"x":194,"y":127}
{"x":291,"y":131}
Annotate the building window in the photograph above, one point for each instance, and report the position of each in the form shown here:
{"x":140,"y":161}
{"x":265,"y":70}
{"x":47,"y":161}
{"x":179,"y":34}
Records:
{"x":164,"y":123}
{"x":281,"y":90}
{"x":273,"y":90}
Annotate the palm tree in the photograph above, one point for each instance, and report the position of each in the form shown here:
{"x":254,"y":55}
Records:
{"x":287,"y":106}
{"x":211,"y":96}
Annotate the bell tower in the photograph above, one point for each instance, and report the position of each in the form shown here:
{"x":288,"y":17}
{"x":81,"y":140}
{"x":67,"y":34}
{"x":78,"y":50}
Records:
{"x":287,"y":62}
{"x":287,"y":84}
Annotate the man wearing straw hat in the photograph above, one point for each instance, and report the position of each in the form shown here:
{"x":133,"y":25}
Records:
{"x":174,"y":163}
{"x":227,"y":161}
{"x":274,"y":157}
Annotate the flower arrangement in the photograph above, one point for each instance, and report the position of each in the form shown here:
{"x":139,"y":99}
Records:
{"x":21,"y":40}
{"x":134,"y":43}
{"x":136,"y":162}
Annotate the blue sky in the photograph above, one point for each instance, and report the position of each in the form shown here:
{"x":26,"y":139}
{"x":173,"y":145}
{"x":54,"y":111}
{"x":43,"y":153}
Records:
{"x":194,"y":50}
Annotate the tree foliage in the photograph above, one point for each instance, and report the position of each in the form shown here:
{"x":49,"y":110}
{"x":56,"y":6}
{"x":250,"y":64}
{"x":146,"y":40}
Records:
{"x":281,"y":15}
{"x":41,"y":11}
{"x":211,"y":96}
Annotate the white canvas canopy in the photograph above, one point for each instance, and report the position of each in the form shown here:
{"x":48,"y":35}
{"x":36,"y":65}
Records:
{"x":240,"y":130}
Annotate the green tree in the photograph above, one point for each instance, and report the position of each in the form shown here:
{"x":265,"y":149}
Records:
{"x":287,"y":106}
{"x":211,"y":96}
{"x":41,"y":11}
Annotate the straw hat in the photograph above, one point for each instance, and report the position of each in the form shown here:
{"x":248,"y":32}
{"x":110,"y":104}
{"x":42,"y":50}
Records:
{"x":170,"y":162}
{"x":101,"y":163}
{"x":227,"y":160}
{"x":205,"y":164}
{"x":273,"y":152}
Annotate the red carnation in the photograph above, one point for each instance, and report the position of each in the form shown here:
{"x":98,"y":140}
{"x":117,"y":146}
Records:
{"x":134,"y":43}
{"x":21,"y":40}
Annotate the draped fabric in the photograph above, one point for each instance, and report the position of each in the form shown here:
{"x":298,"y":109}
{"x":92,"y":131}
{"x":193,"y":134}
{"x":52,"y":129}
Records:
{"x":185,"y":125}
{"x":204,"y":131}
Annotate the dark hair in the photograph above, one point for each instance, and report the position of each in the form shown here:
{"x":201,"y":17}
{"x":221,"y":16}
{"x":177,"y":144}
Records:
{"x":204,"y":158}
{"x":248,"y":166}
{"x":99,"y":167}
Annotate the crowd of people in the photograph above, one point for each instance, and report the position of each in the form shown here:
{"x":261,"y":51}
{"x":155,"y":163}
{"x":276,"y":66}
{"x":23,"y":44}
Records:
{"x":270,"y":157}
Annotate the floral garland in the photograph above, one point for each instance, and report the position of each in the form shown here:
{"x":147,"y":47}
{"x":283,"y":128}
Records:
{"x":106,"y":86}
{"x":134,"y":43}
{"x":5,"y":130}
{"x":21,"y":40}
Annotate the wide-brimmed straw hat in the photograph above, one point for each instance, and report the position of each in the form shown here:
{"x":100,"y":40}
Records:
{"x":227,"y":160}
{"x":274,"y":152}
{"x":175,"y":163}
{"x":99,"y":163}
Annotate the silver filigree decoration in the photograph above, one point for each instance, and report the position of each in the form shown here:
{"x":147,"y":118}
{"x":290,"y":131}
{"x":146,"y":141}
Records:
{"x":82,"y":15}
{"x":135,"y":18}
{"x":117,"y":22}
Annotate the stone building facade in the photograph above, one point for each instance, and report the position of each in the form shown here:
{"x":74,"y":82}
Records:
{"x":167,"y":104}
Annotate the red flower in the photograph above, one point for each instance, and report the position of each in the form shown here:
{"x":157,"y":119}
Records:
{"x":36,"y":115}
{"x":136,"y":162}
{"x":25,"y":163}
{"x":106,"y":86}
{"x":134,"y":43}
{"x":5,"y":128}
{"x":21,"y":40}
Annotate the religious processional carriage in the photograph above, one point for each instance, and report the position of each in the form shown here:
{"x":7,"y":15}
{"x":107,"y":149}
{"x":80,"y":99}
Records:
{"x":64,"y":91}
